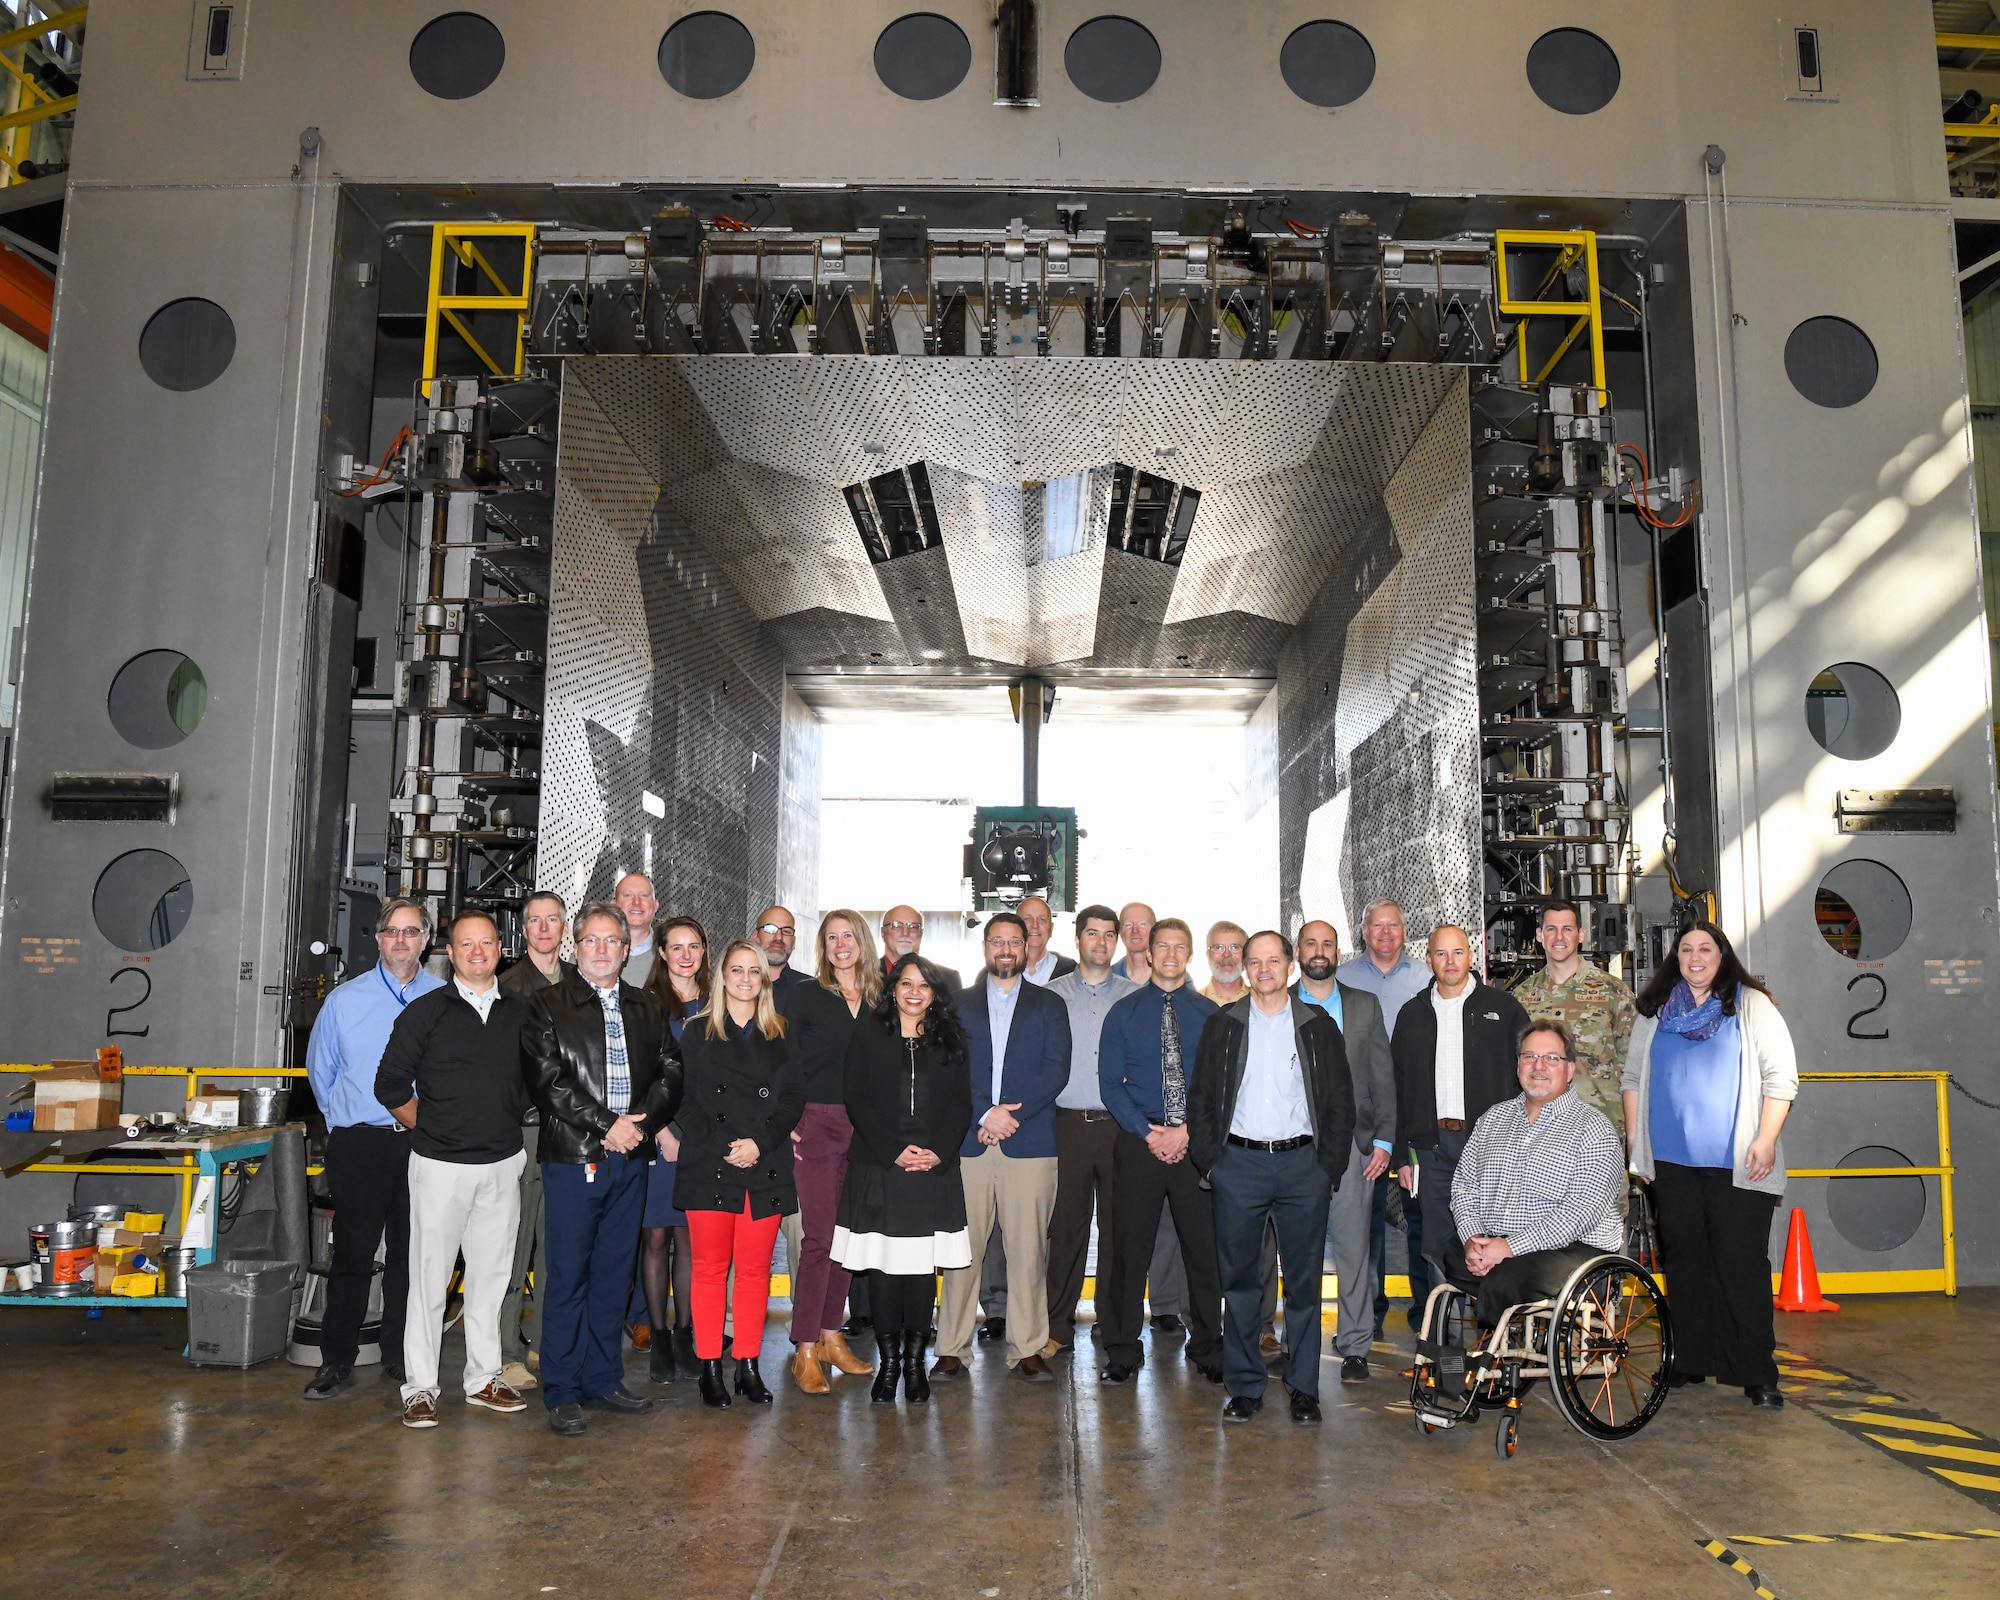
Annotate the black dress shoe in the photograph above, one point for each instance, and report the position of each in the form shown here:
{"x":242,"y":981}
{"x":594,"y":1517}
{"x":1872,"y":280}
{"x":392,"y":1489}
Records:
{"x":750,"y":1382}
{"x":1117,"y":1374}
{"x":992,"y":1328}
{"x":1305,"y":1408}
{"x":854,"y":1325}
{"x":714,"y":1391}
{"x":567,"y":1419}
{"x":1354,"y":1369}
{"x":1211,"y":1372}
{"x":1242,"y":1407}
{"x":1167,"y":1322}
{"x":660,"y":1364}
{"x":889,"y":1372}
{"x":392,"y":1372}
{"x":1764,"y":1396}
{"x":916,"y":1381}
{"x":330,"y":1381}
{"x":620,"y":1399}
{"x":1686,"y":1380}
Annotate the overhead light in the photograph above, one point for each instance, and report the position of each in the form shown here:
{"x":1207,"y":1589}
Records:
{"x":871,"y":448}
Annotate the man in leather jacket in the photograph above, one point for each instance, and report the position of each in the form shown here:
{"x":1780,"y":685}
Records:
{"x":604,"y":1071}
{"x":1271,"y":1127}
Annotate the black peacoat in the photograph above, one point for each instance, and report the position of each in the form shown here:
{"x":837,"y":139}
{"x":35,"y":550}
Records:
{"x":743,"y":1086}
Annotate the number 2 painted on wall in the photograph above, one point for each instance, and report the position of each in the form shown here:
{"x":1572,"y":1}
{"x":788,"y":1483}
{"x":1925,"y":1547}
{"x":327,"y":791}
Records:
{"x":144,"y":977}
{"x":1881,"y":1000}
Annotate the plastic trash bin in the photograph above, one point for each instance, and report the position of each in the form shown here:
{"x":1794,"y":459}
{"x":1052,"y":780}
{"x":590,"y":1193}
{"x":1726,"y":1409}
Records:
{"x":239,"y":1312}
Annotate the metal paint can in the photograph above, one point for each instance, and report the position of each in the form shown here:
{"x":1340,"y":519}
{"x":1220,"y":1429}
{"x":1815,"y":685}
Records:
{"x":263,"y":1105}
{"x":72,"y":1258}
{"x":174,"y":1264}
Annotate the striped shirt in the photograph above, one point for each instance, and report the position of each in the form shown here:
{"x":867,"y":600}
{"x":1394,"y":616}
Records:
{"x":617,"y":1070}
{"x":1545,"y":1184}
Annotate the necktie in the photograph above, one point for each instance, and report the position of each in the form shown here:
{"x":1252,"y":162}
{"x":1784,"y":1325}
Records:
{"x":1173,"y":1076}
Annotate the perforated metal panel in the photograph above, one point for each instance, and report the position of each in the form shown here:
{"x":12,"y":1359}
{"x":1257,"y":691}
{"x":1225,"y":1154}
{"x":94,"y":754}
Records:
{"x":1378,"y":737}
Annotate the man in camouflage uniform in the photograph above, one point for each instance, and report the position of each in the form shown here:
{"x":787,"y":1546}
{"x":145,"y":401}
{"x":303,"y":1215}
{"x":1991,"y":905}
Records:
{"x":1596,"y":1006}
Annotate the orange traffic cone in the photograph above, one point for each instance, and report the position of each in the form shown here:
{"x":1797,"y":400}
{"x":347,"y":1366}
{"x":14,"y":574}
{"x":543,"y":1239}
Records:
{"x":1798,"y":1289}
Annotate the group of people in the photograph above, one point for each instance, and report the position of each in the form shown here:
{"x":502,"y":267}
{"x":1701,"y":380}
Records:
{"x":634,"y":1130}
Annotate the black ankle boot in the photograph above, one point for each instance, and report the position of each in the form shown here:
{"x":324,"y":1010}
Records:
{"x":714,"y":1391}
{"x":890,"y":1371}
{"x":750,"y":1382}
{"x":660,"y":1364}
{"x":916,"y":1381}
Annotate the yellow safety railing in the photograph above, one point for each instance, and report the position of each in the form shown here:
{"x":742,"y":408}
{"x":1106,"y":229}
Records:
{"x":457,"y":241}
{"x":1919,"y":1280}
{"x":31,"y":103}
{"x":1585,"y":315}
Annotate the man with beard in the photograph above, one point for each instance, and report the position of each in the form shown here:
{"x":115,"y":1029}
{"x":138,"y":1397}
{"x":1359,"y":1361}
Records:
{"x":1373,"y":1072}
{"x":775,"y":932}
{"x":1225,"y":984}
{"x":1017,"y":1038}
{"x":903,"y":935}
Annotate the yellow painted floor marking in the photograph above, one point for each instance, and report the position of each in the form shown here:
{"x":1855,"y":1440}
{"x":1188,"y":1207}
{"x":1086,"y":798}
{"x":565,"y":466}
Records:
{"x":1950,"y":1452}
{"x":1811,"y":1538}
{"x":1885,"y":1400}
{"x":1942,"y":1538}
{"x":1753,"y":1538}
{"x":1814,"y":1372}
{"x":1879,"y":1538}
{"x":1914,"y":1424}
{"x":1968,"y":1480}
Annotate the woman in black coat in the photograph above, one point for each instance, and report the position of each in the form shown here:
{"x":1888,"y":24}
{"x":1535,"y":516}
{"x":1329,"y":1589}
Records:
{"x":902,"y":1207}
{"x":742,"y":1096}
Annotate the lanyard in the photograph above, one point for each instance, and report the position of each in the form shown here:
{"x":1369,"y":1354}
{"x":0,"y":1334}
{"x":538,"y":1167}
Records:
{"x":395,"y":993}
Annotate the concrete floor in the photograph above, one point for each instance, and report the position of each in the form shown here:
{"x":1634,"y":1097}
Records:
{"x":131,"y":1471}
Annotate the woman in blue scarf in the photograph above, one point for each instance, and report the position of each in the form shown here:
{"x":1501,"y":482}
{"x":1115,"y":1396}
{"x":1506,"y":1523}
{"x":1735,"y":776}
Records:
{"x":1708,"y":1080}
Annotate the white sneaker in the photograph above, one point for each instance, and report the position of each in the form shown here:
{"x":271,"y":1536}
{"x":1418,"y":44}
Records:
{"x":517,"y":1376}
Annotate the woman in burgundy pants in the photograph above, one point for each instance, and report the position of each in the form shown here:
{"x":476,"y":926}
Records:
{"x":821,"y":1017}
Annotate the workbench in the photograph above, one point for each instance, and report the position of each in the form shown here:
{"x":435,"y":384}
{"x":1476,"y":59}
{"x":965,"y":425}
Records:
{"x":201,"y":1156}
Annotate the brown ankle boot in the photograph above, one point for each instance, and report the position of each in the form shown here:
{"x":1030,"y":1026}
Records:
{"x":832,"y":1348}
{"x":807,"y":1373}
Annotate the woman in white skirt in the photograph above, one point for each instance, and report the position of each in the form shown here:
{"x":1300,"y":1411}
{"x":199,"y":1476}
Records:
{"x":902,"y":1207}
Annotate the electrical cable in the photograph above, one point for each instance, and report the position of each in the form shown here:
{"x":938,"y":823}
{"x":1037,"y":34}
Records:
{"x":1644,"y":507}
{"x":382,"y":473}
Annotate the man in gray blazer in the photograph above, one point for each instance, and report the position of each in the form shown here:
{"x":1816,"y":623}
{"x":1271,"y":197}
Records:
{"x":1373,"y":1072}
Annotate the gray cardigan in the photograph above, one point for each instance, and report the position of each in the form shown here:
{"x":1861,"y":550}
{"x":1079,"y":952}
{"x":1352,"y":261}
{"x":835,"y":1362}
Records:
{"x":1769,"y":1072}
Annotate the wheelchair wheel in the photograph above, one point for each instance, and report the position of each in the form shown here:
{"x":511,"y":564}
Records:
{"x":1507,"y":1437}
{"x":1611,"y":1347}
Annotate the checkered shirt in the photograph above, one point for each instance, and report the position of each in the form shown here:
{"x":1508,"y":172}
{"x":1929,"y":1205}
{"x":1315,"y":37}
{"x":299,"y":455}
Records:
{"x":1545,"y":1184}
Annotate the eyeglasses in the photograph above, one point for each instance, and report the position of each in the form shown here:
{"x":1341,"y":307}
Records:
{"x":1225,"y":949}
{"x":1546,"y":1059}
{"x":902,"y":927}
{"x":600,"y":941}
{"x":399,"y":933}
{"x":771,"y":929}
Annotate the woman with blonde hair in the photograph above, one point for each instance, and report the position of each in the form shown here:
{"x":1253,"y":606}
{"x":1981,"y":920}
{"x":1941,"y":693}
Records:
{"x":822,"y":1018}
{"x":743,"y":1095}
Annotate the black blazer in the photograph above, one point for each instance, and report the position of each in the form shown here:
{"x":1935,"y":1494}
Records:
{"x":1219,"y":1061}
{"x":1493,"y":1023}
{"x":741,"y":1087}
{"x":562,"y":1051}
{"x":895,"y":1098}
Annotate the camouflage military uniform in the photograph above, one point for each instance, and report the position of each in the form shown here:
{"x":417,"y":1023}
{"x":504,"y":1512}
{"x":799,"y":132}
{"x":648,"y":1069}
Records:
{"x":1599,"y":1012}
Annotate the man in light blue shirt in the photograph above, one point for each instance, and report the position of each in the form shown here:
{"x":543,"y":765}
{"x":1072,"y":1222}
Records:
{"x":1386,"y":971}
{"x":367,"y":1150}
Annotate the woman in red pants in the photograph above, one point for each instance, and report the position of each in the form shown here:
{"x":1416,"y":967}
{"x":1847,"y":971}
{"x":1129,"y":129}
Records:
{"x":732,"y":1144}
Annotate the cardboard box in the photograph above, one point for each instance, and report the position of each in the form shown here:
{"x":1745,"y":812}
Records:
{"x":215,"y":1110}
{"x":72,"y":1097}
{"x":108,"y":1265}
{"x":147,"y":1244}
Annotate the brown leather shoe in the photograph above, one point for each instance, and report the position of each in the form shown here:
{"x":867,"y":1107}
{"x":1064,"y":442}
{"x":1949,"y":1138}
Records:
{"x":1270,"y":1346}
{"x":807,"y":1372}
{"x":832,"y":1349}
{"x":497,"y":1396}
{"x":1033,"y":1369}
{"x":420,"y":1411}
{"x":642,"y":1336}
{"x":1052,"y":1349}
{"x":949,"y":1369}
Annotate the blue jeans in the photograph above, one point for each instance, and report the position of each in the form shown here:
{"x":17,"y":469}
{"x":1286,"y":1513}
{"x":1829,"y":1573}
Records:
{"x":592,"y":1238}
{"x":1253,"y":1188}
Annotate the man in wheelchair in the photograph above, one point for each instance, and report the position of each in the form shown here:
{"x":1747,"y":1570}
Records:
{"x":1536,"y":1192}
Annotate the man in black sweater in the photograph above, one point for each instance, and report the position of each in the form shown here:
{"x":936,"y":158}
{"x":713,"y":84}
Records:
{"x":452,"y":1075}
{"x":1453,"y":1047}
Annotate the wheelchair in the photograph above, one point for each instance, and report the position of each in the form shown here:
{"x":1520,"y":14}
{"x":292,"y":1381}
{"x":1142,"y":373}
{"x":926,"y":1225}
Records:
{"x":1605,"y":1344}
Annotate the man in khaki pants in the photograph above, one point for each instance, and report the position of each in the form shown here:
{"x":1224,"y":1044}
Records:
{"x":1018,"y":1041}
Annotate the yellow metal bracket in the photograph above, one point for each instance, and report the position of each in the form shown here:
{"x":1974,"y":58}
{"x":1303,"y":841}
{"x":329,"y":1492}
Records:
{"x":453,"y":241}
{"x":1910,"y":1281}
{"x":1585,"y":316}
